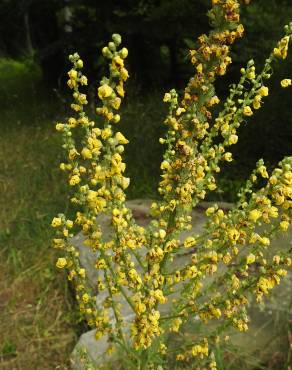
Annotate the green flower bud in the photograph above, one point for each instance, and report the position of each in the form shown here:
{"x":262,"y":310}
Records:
{"x":124,"y":53}
{"x":120,"y":149}
{"x":112,"y":46}
{"x":116,"y":118}
{"x":107,"y":53}
{"x":117,"y":39}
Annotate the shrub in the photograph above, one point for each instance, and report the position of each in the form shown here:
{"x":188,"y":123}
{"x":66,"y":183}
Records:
{"x":18,"y":79}
{"x":137,"y":263}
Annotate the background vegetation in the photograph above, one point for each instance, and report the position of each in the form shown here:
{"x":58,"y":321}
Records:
{"x":36,"y":305}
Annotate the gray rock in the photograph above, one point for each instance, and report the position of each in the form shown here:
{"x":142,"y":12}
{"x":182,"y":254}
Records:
{"x":140,"y":208}
{"x":95,"y":351}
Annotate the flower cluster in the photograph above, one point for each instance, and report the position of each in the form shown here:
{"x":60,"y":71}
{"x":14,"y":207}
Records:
{"x":135,"y":264}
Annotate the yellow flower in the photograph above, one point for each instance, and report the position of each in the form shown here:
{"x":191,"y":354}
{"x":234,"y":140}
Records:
{"x":227,"y":157}
{"x":120,"y":90}
{"x":57,"y":221}
{"x":277,"y":52}
{"x":83,"y":80}
{"x":140,"y":307}
{"x":82,"y":169}
{"x":98,"y":334}
{"x":176,"y":323}
{"x":210,"y":211}
{"x":71,"y":83}
{"x":76,"y":107}
{"x":82,"y":273}
{"x":124,"y":182}
{"x":162,"y":234}
{"x":212,"y":186}
{"x":250,"y":259}
{"x":284,"y":225}
{"x":72,"y":122}
{"x":233,"y":139}
{"x":81,"y":98}
{"x":118,"y":60}
{"x":200,"y":350}
{"x":121,"y":138}
{"x":254,"y":215}
{"x":100,"y":204}
{"x":100,"y":264}
{"x":74,"y":180}
{"x":69,"y":224}
{"x":190,"y":242}
{"x":276,"y":259}
{"x":286,"y":82}
{"x":116,"y":102}
{"x":263,"y":171}
{"x":227,"y":258}
{"x":73,"y":153}
{"x":282,"y":49}
{"x":61,"y":263}
{"x":214,"y":100}
{"x":247,"y":111}
{"x":72,"y":74}
{"x":233,"y":234}
{"x":235,"y":282}
{"x":85,"y":298}
{"x":251,"y":73}
{"x":106,"y":133}
{"x":165,"y":165}
{"x":167,"y":97}
{"x":273,"y":212}
{"x":265,"y":241}
{"x":86,"y":153}
{"x":200,"y":68}
{"x":263,"y":91}
{"x":104,"y":91}
{"x":60,"y":126}
{"x":179,"y":111}
{"x":124,"y":74}
{"x":257,"y":102}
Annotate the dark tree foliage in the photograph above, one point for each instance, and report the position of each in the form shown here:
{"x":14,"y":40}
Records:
{"x":153,"y":30}
{"x":157,"y":33}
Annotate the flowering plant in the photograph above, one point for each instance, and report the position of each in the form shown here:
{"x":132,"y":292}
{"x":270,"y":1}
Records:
{"x":137,"y":262}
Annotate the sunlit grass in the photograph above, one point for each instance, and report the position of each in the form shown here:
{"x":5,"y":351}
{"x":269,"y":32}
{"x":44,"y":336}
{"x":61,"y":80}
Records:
{"x":36,"y":321}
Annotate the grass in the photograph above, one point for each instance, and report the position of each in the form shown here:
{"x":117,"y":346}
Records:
{"x":36,"y":313}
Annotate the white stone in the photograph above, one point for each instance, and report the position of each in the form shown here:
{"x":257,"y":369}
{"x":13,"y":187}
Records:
{"x":258,"y":332}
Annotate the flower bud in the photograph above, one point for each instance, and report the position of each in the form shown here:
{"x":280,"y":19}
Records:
{"x":112,"y":46}
{"x":117,"y":39}
{"x":124,"y":53}
{"x":79,"y":63}
{"x":61,"y":263}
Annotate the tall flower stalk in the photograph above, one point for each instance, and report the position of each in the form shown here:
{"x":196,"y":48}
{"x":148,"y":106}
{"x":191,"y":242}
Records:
{"x":135,"y":264}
